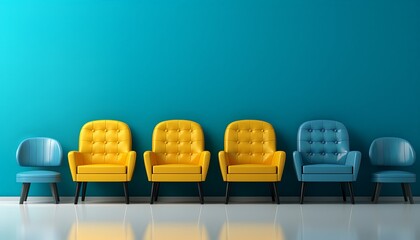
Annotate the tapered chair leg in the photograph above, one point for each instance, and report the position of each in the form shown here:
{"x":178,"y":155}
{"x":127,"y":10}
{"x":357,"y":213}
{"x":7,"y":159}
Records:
{"x":227,"y":193}
{"x":374,"y":192}
{"x":27,"y":191}
{"x":152,"y":192}
{"x":404,"y":192}
{"x":200,"y":192}
{"x":127,"y":198}
{"x":409,"y":193}
{"x":157,"y":188}
{"x":343,"y":191}
{"x":350,"y":184}
{"x":84,"y":186}
{"x":24,"y":192}
{"x":272,"y":192}
{"x":276,"y":194}
{"x":302,"y":190}
{"x":76,"y":196}
{"x":54,"y":191}
{"x":377,"y":192}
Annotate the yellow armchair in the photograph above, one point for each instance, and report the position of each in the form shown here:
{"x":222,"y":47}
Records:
{"x":177,"y":155}
{"x":104,"y":155}
{"x":250,"y":155}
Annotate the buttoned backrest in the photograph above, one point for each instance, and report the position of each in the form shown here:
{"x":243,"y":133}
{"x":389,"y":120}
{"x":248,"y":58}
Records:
{"x":391,"y":151}
{"x":106,"y":141}
{"x":178,"y":141}
{"x":39,"y":152}
{"x":323,"y":141}
{"x":250,"y":141}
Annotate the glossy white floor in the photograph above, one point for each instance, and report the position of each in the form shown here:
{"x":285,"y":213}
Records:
{"x":99,"y":219}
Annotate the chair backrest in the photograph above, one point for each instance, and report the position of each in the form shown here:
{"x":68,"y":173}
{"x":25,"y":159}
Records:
{"x":106,"y":141}
{"x":39,"y":152}
{"x":323,"y":141}
{"x":178,"y":141}
{"x":391,"y":151}
{"x":250,"y":141}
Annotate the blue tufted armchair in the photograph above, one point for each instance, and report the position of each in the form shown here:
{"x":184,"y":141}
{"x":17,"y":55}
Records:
{"x":323,"y":155}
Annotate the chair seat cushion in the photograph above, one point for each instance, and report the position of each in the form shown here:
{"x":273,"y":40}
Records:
{"x":101,"y":168}
{"x":40,"y":176}
{"x":394,"y":177}
{"x":252,"y":168}
{"x":177,"y":168}
{"x":327,"y":168}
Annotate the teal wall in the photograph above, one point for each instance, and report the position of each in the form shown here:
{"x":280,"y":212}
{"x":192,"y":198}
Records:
{"x":66,"y":62}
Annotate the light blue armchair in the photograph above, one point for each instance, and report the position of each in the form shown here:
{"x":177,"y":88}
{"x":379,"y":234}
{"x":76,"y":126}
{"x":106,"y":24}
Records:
{"x":392,"y":152}
{"x":323,"y":155}
{"x":39,"y":152}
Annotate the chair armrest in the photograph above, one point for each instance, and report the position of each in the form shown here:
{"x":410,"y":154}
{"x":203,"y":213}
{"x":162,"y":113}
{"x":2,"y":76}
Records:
{"x":279,"y":159}
{"x":131,"y":164}
{"x":149,"y":162}
{"x":75,"y":159}
{"x":353,"y":159}
{"x":204,"y":162}
{"x":223,"y":163}
{"x":298,"y":163}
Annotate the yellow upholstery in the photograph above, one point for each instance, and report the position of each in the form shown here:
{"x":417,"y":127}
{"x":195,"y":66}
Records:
{"x":250,"y":153}
{"x":104,"y":154}
{"x":177,"y":153}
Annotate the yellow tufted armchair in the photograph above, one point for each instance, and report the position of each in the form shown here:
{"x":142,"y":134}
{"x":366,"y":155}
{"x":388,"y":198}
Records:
{"x":250,"y":155}
{"x":177,"y":155}
{"x":104,"y":155}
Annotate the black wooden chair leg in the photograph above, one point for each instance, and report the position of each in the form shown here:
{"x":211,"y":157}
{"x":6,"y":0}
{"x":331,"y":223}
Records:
{"x":350,"y":184}
{"x":409,"y":193}
{"x":54,"y":191}
{"x":152,"y":192}
{"x":200,"y":192}
{"x":84,"y":186}
{"x":27,"y":192}
{"x":127,"y":197}
{"x":343,"y":191}
{"x":377,"y":192}
{"x":276,"y":194}
{"x":76,"y":196}
{"x":157,"y":188}
{"x":404,"y":192}
{"x":272,"y":192}
{"x":374,"y":192}
{"x":24,"y":192}
{"x":227,"y":193}
{"x":302,"y":190}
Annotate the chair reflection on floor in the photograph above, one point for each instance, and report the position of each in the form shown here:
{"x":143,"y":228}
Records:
{"x":258,"y":223}
{"x":37,"y":223}
{"x":327,"y":226}
{"x":98,"y":227}
{"x":169,"y":222}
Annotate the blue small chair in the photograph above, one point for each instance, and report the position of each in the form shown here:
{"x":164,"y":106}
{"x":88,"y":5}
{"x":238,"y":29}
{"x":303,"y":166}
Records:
{"x":323,"y":155}
{"x":39,"y":152}
{"x":392,"y":152}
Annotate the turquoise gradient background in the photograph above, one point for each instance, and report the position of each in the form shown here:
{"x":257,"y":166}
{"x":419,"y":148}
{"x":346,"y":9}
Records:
{"x":66,"y":62}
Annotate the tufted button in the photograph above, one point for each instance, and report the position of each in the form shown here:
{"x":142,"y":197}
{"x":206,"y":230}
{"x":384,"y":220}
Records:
{"x":336,"y":142}
{"x":322,"y":130}
{"x":250,"y":142}
{"x":250,"y":154}
{"x":118,"y":130}
{"x":178,"y":130}
{"x":309,"y":130}
{"x":92,"y":142}
{"x":118,"y":142}
{"x":262,"y":142}
{"x":166,"y":142}
{"x":262,"y":130}
{"x":191,"y":130}
{"x":310,"y":142}
{"x":237,"y":130}
{"x":190,"y":154}
{"x":250,"y":130}
{"x":166,"y":130}
{"x":238,"y":142}
{"x":177,"y":154}
{"x":191,"y":142}
{"x":335,"y":153}
{"x":105,"y":153}
{"x":263,"y":154}
{"x":335,"y":129}
{"x":323,"y":142}
{"x":105,"y":142}
{"x":93,"y":130}
{"x":118,"y":154}
{"x":92,"y":154}
{"x":322,"y":153}
{"x":177,"y":142}
{"x":106,"y":130}
{"x":165,"y":154}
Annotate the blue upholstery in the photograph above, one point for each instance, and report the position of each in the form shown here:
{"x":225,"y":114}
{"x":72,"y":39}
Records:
{"x":392,"y":152}
{"x":39,"y":152}
{"x":323,"y":153}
